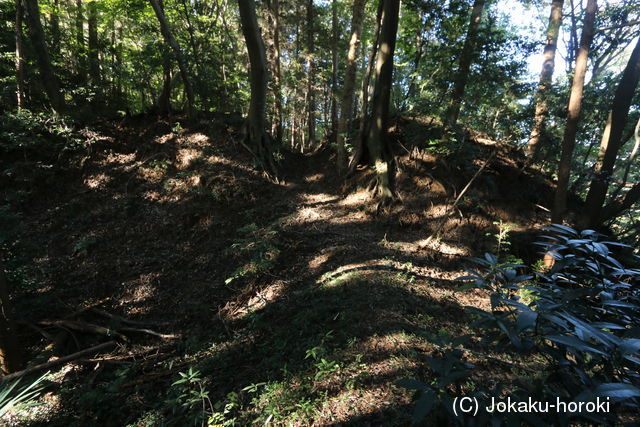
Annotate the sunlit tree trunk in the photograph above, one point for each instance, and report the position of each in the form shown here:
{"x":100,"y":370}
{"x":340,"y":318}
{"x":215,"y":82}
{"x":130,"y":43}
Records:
{"x":367,"y":92}
{"x":612,"y":141}
{"x":256,"y":136}
{"x":380,"y":152}
{"x":573,"y":114}
{"x":277,"y":84}
{"x":94,"y":62}
{"x":346,"y":109}
{"x":19,"y":61}
{"x":334,"y":71}
{"x":171,"y":41}
{"x":80,"y":43}
{"x":544,"y":85}
{"x":466,"y":58}
{"x":164,"y":100}
{"x":51,"y":84}
{"x":419,"y":46}
{"x":10,"y":353}
{"x":311,"y":97}
{"x":54,"y":22}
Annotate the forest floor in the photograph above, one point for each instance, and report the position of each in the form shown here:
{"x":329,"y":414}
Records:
{"x":283,"y":302}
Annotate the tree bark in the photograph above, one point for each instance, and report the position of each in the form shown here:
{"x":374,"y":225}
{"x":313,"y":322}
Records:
{"x":346,"y":109}
{"x":334,"y":72}
{"x":10,"y":354}
{"x":612,"y":141}
{"x":164,"y":100}
{"x":175,"y":47}
{"x":419,"y":45}
{"x":51,"y":84}
{"x":548,"y":65}
{"x":20,"y":72}
{"x":573,"y":114}
{"x":94,"y":63}
{"x":367,"y":92}
{"x":54,"y":20}
{"x":258,"y":139}
{"x":81,"y":52}
{"x":466,"y":58}
{"x":277,"y":84}
{"x":377,"y":140}
{"x":311,"y":97}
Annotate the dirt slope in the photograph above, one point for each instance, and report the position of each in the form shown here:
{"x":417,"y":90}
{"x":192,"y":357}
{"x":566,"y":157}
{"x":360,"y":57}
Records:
{"x":298,"y":288}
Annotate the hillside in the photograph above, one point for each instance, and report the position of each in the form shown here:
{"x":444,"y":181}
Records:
{"x":287,"y":301}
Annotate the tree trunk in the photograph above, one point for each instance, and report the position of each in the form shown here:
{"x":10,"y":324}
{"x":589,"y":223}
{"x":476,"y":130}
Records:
{"x":175,"y":47}
{"x":573,"y":114}
{"x":20,"y":94}
{"x":419,"y":45}
{"x":94,"y":63}
{"x":81,"y":52}
{"x":346,"y":109}
{"x":548,"y":65}
{"x":256,"y":136}
{"x":51,"y":84}
{"x":277,"y":85}
{"x":334,"y":72}
{"x":466,"y":57}
{"x":377,"y":140}
{"x":311,"y":98}
{"x":367,"y":92}
{"x":54,"y":20}
{"x":164,"y":101}
{"x":10,"y":354}
{"x":612,"y":139}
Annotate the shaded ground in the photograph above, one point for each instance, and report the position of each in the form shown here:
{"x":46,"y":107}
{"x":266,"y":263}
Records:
{"x":292,"y":302}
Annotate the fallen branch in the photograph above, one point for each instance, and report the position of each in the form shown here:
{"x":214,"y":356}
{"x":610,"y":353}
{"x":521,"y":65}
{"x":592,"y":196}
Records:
{"x":447,"y":213}
{"x":60,"y":361}
{"x":150,"y":332}
{"x":90,"y":328}
{"x":124,"y":320}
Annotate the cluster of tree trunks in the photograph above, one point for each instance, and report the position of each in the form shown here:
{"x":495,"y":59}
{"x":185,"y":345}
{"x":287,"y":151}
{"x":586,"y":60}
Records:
{"x":573,"y":114}
{"x":546,"y":76}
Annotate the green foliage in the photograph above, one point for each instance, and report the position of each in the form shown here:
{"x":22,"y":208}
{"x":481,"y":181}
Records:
{"x":14,"y":398}
{"x":583,"y":320}
{"x":189,"y":399}
{"x":259,"y":247}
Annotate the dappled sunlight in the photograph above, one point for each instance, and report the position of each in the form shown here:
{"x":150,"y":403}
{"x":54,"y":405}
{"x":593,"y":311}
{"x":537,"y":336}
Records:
{"x":186,"y":156}
{"x":443,"y":247}
{"x":97,"y":181}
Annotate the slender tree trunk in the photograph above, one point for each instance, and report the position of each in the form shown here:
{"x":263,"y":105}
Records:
{"x":175,"y":47}
{"x":346,"y":109}
{"x":51,"y":84}
{"x":546,"y":76}
{"x":54,"y":21}
{"x":573,"y":114}
{"x":164,"y":101}
{"x":94,"y":62}
{"x":466,"y":58}
{"x":10,"y":354}
{"x":367,"y":92}
{"x":377,"y":140}
{"x":334,"y":72}
{"x":81,"y":70}
{"x":311,"y":97}
{"x":277,"y":84}
{"x":612,"y":139}
{"x":419,"y":45}
{"x":256,"y":135}
{"x":20,"y":93}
